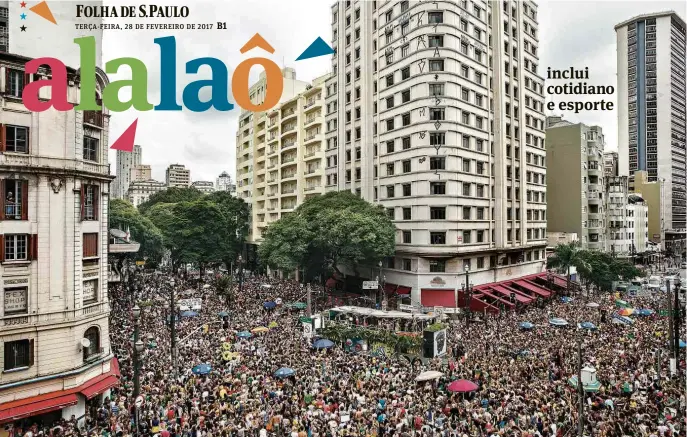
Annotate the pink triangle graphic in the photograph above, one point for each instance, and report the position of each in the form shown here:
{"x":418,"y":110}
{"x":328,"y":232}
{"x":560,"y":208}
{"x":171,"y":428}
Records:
{"x":125,"y":142}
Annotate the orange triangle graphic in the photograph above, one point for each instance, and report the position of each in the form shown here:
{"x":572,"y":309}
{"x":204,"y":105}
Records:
{"x":44,"y":11}
{"x":257,"y":41}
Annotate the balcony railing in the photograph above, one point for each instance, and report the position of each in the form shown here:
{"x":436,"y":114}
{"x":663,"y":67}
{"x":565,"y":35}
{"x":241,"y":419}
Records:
{"x":287,"y":145}
{"x":287,"y":160}
{"x":94,"y":118}
{"x":288,"y":112}
{"x":314,"y":187}
{"x":288,"y":190}
{"x":13,"y":211}
{"x":288,"y":129}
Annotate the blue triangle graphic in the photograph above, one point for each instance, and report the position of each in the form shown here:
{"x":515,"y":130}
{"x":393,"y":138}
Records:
{"x":317,"y":48}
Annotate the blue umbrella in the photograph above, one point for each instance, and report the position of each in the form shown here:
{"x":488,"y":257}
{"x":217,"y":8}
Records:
{"x":566,"y":299}
{"x":189,"y":314}
{"x":201,"y":369}
{"x":644,"y":312}
{"x":682,"y":344}
{"x":244,"y":334}
{"x":323,"y":344}
{"x":588,"y":325}
{"x":269,"y":305}
{"x":176,"y":317}
{"x":284,"y":372}
{"x":223,"y":314}
{"x":526,"y":325}
{"x":558,"y":322}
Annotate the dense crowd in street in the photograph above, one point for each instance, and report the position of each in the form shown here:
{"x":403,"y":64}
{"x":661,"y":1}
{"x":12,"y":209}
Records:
{"x":523,"y":375}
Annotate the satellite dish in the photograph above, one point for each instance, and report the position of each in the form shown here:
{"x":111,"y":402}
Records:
{"x":85,"y":342}
{"x":117,"y":233}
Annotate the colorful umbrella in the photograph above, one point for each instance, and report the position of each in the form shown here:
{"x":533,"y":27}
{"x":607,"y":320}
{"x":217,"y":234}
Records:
{"x":626,"y":312}
{"x":592,"y":387}
{"x":223,"y":314}
{"x":284,"y":372}
{"x":526,"y":325}
{"x":566,"y":299}
{"x":592,"y":305}
{"x":269,"y":305}
{"x":244,"y":334}
{"x":323,"y":344}
{"x":587,"y":325}
{"x":429,"y":375}
{"x":259,"y":330}
{"x":273,"y":325}
{"x":297,"y":305}
{"x":645,"y":312}
{"x":462,"y":386}
{"x":189,"y":314}
{"x":201,"y":369}
{"x":682,"y":344}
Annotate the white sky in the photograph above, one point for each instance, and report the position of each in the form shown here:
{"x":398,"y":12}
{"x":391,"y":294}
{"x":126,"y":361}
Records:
{"x":572,"y":33}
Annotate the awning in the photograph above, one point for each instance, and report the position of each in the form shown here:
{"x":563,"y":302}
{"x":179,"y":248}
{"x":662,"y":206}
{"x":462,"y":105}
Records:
{"x":431,"y":297}
{"x":402,"y":290}
{"x":99,"y":385}
{"x":331,"y":283}
{"x":390,"y":288}
{"x":33,"y":406}
{"x":527,"y":285}
{"x":506,"y":293}
{"x":492,"y":295}
{"x":561,"y":282}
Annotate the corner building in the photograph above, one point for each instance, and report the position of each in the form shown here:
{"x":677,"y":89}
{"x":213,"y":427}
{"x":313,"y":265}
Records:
{"x":55,"y":356}
{"x":435,"y":111}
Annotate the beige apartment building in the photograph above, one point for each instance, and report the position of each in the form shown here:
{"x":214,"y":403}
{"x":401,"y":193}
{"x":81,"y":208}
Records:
{"x":627,"y":218}
{"x":436,"y":112}
{"x":141,"y":172}
{"x":140,"y":191}
{"x":280,"y":154}
{"x":204,"y":186}
{"x":655,"y":194}
{"x":575,"y":181}
{"x":177,"y":175}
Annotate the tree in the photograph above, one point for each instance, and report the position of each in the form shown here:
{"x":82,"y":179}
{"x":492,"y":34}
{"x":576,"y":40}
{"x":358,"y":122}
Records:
{"x":235,"y":219}
{"x":566,"y":256}
{"x":602,"y":269}
{"x":123,"y":215}
{"x":170,"y":195}
{"x":328,"y":231}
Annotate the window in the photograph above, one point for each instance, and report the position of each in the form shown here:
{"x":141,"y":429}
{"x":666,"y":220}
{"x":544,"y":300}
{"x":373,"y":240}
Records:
{"x":406,"y":190}
{"x":436,"y":41}
{"x":437,"y":238}
{"x":390,"y":169}
{"x":405,"y":73}
{"x":480,"y":236}
{"x":390,"y":80}
{"x":407,"y":214}
{"x":464,"y":48}
{"x":435,"y":17}
{"x":390,"y":102}
{"x":405,"y":119}
{"x":436,"y":89}
{"x":466,"y":165}
{"x":437,"y":188}
{"x":406,"y":166}
{"x":389,"y":60}
{"x":17,"y":247}
{"x":14,"y":199}
{"x":407,"y":237}
{"x":466,"y":237}
{"x":437,"y":138}
{"x":18,"y":354}
{"x":390,"y":146}
{"x":92,"y":334}
{"x":480,"y":260}
{"x":405,"y":96}
{"x":16,"y":139}
{"x":437,"y":213}
{"x":407,"y":265}
{"x":90,"y":245}
{"x":436,"y":65}
{"x":391,"y":212}
{"x":437,"y":266}
{"x":464,"y":25}
{"x":16,"y":300}
{"x":480,"y":211}
{"x":390,"y":189}
{"x":466,"y":189}
{"x":89,"y":202}
{"x":15,"y":81}
{"x":390,"y":124}
{"x":406,"y":143}
{"x":436,"y":114}
{"x":405,"y":28}
{"x":90,"y":148}
{"x":437,"y":163}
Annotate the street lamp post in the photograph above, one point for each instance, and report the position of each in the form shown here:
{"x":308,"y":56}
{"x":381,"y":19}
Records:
{"x":172,"y":321}
{"x":137,"y":349}
{"x":240,"y":274}
{"x":379,"y":286}
{"x":467,"y":291}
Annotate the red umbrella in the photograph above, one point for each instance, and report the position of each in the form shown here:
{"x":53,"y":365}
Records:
{"x":462,"y":386}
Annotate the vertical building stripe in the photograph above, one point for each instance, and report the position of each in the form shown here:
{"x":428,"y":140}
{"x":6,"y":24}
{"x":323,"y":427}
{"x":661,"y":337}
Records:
{"x":641,"y":96}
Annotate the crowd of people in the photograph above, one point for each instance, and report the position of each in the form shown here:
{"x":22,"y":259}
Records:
{"x":523,"y":375}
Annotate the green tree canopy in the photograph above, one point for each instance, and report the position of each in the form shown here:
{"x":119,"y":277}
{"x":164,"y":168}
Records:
{"x":327,"y":231}
{"x":123,"y":215}
{"x":566,"y":256}
{"x":170,"y":195}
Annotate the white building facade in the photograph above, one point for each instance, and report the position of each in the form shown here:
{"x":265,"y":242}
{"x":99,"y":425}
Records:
{"x":411,"y":125}
{"x":54,"y":177}
{"x":140,"y":191}
{"x":652,"y":123}
{"x":177,"y":175}
{"x":127,"y":163}
{"x":627,"y":218}
{"x":225,"y":183}
{"x":204,"y":186}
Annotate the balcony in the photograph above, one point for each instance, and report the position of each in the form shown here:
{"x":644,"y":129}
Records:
{"x":13,"y":211}
{"x":288,"y":114}
{"x":272,"y":181}
{"x":311,"y":171}
{"x":288,"y":190}
{"x":310,"y":155}
{"x":289,"y":145}
{"x":93,"y":118}
{"x":288,"y":160}
{"x":288,"y":207}
{"x":288,"y":176}
{"x":312,"y":188}
{"x":288,"y":129}
{"x":313,"y":119}
{"x":312,"y":136}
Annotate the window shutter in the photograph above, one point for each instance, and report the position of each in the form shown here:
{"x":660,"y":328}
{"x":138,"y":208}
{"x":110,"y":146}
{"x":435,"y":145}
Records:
{"x":31,"y":353}
{"x":2,"y":248}
{"x":83,"y":199}
{"x":2,"y":199}
{"x":96,"y":201}
{"x":28,"y":140}
{"x":33,"y":247}
{"x":2,"y":137}
{"x":7,"y":80}
{"x":27,"y":79}
{"x":24,"y":200}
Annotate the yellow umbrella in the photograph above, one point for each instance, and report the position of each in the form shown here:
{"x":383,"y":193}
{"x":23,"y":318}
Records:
{"x":259,"y":329}
{"x":273,"y":325}
{"x":226,"y":346}
{"x":228,"y":356}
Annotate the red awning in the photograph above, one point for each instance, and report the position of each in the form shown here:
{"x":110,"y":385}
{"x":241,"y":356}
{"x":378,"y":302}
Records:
{"x":438,"y":298}
{"x":561,"y":282}
{"x":403,"y":290}
{"x":390,"y":288}
{"x":490,"y":293}
{"x":114,"y":367}
{"x":506,"y":292}
{"x":331,"y":283}
{"x":527,"y":285}
{"x":99,"y":385}
{"x":32,"y":406}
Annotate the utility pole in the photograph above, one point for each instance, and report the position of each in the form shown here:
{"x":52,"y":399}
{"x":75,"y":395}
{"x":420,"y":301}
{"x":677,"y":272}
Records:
{"x":580,"y":388}
{"x":173,"y":327}
{"x":309,"y":308}
{"x":676,"y":320}
{"x":671,"y":329}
